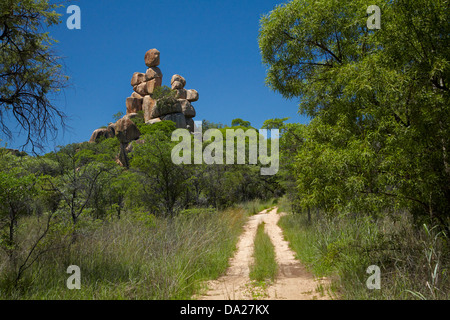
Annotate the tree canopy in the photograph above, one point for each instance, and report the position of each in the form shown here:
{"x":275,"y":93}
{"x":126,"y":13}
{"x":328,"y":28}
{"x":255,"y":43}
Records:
{"x":239,"y":122}
{"x":379,"y":100}
{"x":30,"y":72}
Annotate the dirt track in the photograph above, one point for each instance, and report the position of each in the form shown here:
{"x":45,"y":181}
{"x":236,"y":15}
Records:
{"x":293,"y":282}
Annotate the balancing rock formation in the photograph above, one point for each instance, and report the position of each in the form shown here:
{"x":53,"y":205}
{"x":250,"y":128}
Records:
{"x":142,"y":99}
{"x":144,"y":85}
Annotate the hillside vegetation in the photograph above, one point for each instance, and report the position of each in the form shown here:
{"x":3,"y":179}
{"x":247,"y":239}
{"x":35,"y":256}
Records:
{"x":368,"y":178}
{"x":365,"y":185}
{"x":153,"y":231}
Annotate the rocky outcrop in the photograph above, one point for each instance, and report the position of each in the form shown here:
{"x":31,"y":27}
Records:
{"x":130,"y":146}
{"x":153,"y":73}
{"x":134,"y":105}
{"x":186,"y":108}
{"x":144,"y":86}
{"x":147,"y":106}
{"x":152,"y":58}
{"x":177,"y":82}
{"x":162,"y":109}
{"x":103,"y":133}
{"x":190,"y":125}
{"x":126,"y":130}
{"x":180,"y":93}
{"x":152,"y":121}
{"x":178,"y":118}
{"x":97,"y":135}
{"x":143,"y":100}
{"x":137,"y":78}
{"x":192,"y":95}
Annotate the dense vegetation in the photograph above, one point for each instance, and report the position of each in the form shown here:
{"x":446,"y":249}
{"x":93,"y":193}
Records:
{"x":379,"y":102}
{"x":77,"y":203}
{"x":366,"y":182}
{"x":414,"y":260}
{"x":370,"y":172}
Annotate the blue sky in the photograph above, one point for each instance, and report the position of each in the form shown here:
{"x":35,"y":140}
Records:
{"x":213,"y":44}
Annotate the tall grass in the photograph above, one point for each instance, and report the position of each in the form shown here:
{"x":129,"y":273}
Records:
{"x":265,"y":266}
{"x":135,"y":258}
{"x":414,"y":261}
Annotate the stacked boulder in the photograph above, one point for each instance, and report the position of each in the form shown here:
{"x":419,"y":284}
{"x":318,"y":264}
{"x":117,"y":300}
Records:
{"x":142,"y":99}
{"x":185,"y":112}
{"x":106,"y":133}
{"x":180,"y":110}
{"x":144,"y":84}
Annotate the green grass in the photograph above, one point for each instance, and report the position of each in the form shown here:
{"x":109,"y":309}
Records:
{"x":414,"y":261}
{"x":132,"y":258}
{"x":265,"y":266}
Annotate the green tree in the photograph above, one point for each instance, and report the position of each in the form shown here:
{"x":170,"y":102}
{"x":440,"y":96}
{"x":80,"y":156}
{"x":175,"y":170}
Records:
{"x":379,"y":100}
{"x":275,"y":123}
{"x":238,"y":122}
{"x":16,"y":195}
{"x":291,"y":143}
{"x":23,"y":194}
{"x":30,"y":73}
{"x":164,"y":182}
{"x":80,"y":177}
{"x":165,"y":127}
{"x":210,"y":125}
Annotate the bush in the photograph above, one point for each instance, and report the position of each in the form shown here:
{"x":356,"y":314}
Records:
{"x":414,"y":262}
{"x":123,"y":259}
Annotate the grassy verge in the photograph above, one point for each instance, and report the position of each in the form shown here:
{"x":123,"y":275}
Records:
{"x":134,"y":258}
{"x":265,"y":266}
{"x":414,"y":261}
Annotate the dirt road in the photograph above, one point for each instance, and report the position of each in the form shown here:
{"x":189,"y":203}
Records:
{"x":293,"y":282}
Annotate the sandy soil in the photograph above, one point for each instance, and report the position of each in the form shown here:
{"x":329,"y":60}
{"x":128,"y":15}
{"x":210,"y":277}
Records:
{"x":293,"y":281}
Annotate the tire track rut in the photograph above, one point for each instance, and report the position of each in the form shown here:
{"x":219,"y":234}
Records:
{"x":293,"y":281}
